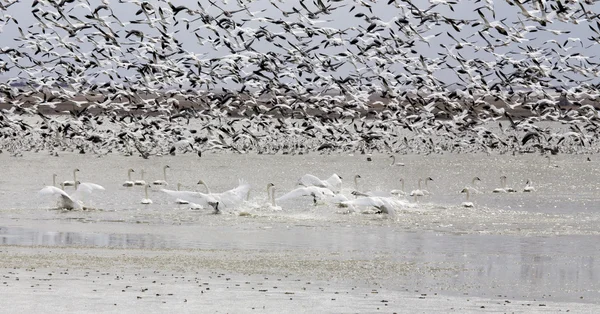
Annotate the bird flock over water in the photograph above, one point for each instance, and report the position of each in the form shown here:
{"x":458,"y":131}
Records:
{"x":162,"y":77}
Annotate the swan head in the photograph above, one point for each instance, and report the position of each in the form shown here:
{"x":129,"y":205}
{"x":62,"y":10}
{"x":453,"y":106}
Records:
{"x":166,"y":167}
{"x":465,"y":190}
{"x":335,"y":174}
{"x":201,"y":182}
{"x":503,"y":177}
{"x":76,"y":170}
{"x":357,"y":176}
{"x":429,"y":179}
{"x":270,"y":185}
{"x":476,"y":179}
{"x":130,"y":170}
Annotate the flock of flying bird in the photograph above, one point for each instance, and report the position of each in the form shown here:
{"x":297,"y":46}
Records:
{"x":321,"y":191}
{"x":402,"y":76}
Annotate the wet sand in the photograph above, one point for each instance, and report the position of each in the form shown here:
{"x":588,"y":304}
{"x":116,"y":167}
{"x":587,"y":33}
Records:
{"x":78,"y":280}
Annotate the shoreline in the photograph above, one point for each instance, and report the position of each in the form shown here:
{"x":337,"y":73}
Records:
{"x":153,"y":281}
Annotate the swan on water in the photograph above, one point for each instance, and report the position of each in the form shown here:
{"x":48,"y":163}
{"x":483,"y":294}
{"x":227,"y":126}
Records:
{"x":162,"y":182}
{"x":225,"y":200}
{"x":129,"y":183}
{"x":401,"y":191}
{"x":529,"y":186}
{"x":317,"y":193}
{"x":201,"y":182}
{"x":466,"y":203}
{"x":180,"y":201}
{"x":146,"y":200}
{"x":473,"y":187}
{"x":384,"y":205}
{"x":74,"y":182}
{"x":73,"y":201}
{"x":419,"y":191}
{"x":503,"y":189}
{"x":333,"y":183}
{"x":140,"y":182}
{"x":400,"y":164}
{"x":271,"y":197}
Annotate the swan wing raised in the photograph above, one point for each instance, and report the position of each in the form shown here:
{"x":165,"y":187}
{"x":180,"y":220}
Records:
{"x":318,"y":192}
{"x":234,"y":196}
{"x":66,"y":201}
{"x":310,"y":180}
{"x":192,"y":197}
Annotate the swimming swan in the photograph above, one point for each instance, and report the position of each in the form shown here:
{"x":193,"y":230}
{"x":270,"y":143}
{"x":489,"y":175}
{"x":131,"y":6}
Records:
{"x":419,"y":191}
{"x":74,"y":201}
{"x":316,"y":192}
{"x":400,"y":164}
{"x":228,"y":199}
{"x":466,"y":203}
{"x":162,"y":182}
{"x":271,"y":197}
{"x":140,"y":182}
{"x":147,"y":200}
{"x":473,"y":187}
{"x":529,"y":186}
{"x":180,"y":201}
{"x":74,"y":182}
{"x":129,"y":183}
{"x":333,"y":183}
{"x":401,"y":191}
{"x":200,"y":182}
{"x":503,"y":189}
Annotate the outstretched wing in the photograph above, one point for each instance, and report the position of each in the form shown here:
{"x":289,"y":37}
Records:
{"x":234,"y":196}
{"x":65,"y":200}
{"x":318,"y":192}
{"x":192,"y":197}
{"x":86,"y":188}
{"x":310,"y":180}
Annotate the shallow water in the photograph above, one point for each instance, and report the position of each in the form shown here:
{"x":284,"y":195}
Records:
{"x":539,"y":245}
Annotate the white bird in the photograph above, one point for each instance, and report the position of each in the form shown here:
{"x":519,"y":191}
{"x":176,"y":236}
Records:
{"x":473,"y":188}
{"x":400,"y":164}
{"x":333,"y":183}
{"x":74,"y":182}
{"x":503,"y":189}
{"x":466,"y":203}
{"x":316,"y":192}
{"x":201,"y":182}
{"x":228,"y":199}
{"x":162,"y":182}
{"x":74,"y":201}
{"x":146,"y":200}
{"x":384,"y":205}
{"x":529,"y":186}
{"x":129,"y":183}
{"x":140,"y":182}
{"x":419,"y":191}
{"x":401,"y":191}
{"x":271,"y":197}
{"x":180,"y":201}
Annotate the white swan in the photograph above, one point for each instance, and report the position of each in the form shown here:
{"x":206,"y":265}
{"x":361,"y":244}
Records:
{"x":333,"y":183}
{"x":180,"y":201}
{"x":503,"y":189}
{"x":316,"y":192}
{"x":384,"y":205}
{"x":356,"y":177}
{"x":162,"y":182}
{"x":271,"y":197}
{"x":147,"y":200}
{"x":420,"y":192}
{"x":129,"y":183}
{"x":54,"y":179}
{"x":140,"y":182}
{"x":529,"y":186}
{"x":466,"y":203}
{"x":400,"y":164}
{"x":201,"y":182}
{"x":227,"y":199}
{"x":74,"y":201}
{"x":401,"y":191}
{"x":473,"y":187}
{"x":74,"y":182}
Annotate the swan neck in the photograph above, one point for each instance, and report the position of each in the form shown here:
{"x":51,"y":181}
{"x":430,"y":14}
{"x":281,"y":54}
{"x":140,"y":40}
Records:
{"x":165,"y":173}
{"x":356,"y":183}
{"x":129,"y":175}
{"x":467,"y":192}
{"x":420,"y":183}
{"x":402,"y":185}
{"x":393,"y":161}
{"x":146,"y":191}
{"x":273,"y":196}
{"x":54,"y":180}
